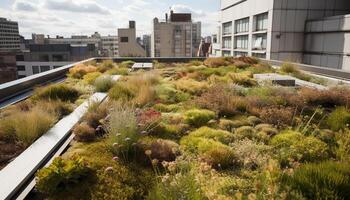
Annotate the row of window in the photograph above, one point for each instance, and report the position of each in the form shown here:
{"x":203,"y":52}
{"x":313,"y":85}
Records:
{"x":242,"y":53}
{"x":241,"y":42}
{"x":39,"y":69}
{"x":242,"y":25}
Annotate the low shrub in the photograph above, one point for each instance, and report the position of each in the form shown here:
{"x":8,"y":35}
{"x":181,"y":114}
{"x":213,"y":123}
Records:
{"x":63,"y":177}
{"x":249,"y":133}
{"x":244,"y":78}
{"x":126,"y":64}
{"x":217,"y":135}
{"x":105,"y":66}
{"x":96,"y":113}
{"x":167,"y":108}
{"x":343,"y":144}
{"x":289,"y":68}
{"x":80,"y":70}
{"x":278,"y":116}
{"x":160,"y":149}
{"x":325,"y":180}
{"x":195,"y":63}
{"x":91,"y":77}
{"x":326,"y":98}
{"x":103,"y":83}
{"x":223,"y":100}
{"x":56,"y":92}
{"x":293,"y":146}
{"x":250,"y":154}
{"x":216,"y":62}
{"x":253,"y":120}
{"x":84,"y":133}
{"x":339,"y":119}
{"x":213,"y":152}
{"x":118,"y":71}
{"x":191,"y":86}
{"x":57,"y":108}
{"x":198,"y":117}
{"x":122,"y":91}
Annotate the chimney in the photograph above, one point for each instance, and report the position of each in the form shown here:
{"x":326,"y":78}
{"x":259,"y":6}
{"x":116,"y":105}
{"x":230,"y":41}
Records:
{"x":132,"y":24}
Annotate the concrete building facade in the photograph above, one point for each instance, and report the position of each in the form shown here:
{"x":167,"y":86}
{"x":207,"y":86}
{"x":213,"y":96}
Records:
{"x":128,"y":45}
{"x":273,"y":29}
{"x":177,"y":36}
{"x":9,"y":35}
{"x":109,"y":46}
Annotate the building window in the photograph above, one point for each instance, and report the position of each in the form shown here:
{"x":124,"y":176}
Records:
{"x":21,"y":68}
{"x":55,"y":67}
{"x":124,"y":39}
{"x":44,"y":58}
{"x":261,"y":22}
{"x":241,"y":42}
{"x":35,"y":69}
{"x":227,"y":28}
{"x":44,"y":68}
{"x":259,"y":42}
{"x":21,"y":76}
{"x":242,"y":25}
{"x":226,"y":53}
{"x":226,"y":42}
{"x":259,"y":55}
{"x":57,"y":57}
{"x":240,"y":53}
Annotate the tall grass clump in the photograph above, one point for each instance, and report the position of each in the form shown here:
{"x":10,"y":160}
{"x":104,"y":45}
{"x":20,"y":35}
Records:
{"x":91,"y":77}
{"x":105,"y":66}
{"x":216,"y":62}
{"x":56,"y":92}
{"x":27,"y":126}
{"x":80,"y":70}
{"x":103,"y":83}
{"x":198,"y":117}
{"x":126,"y":64}
{"x":122,"y":130}
{"x":339,"y":119}
{"x":325,"y":180}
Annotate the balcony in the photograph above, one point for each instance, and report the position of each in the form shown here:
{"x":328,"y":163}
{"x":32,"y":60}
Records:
{"x":188,"y":128}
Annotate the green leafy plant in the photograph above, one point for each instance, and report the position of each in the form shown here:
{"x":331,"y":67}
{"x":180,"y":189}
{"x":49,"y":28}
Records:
{"x":198,"y":117}
{"x":339,"y":119}
{"x":62,"y":177}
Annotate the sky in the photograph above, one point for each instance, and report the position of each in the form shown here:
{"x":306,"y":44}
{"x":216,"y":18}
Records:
{"x":84,"y":17}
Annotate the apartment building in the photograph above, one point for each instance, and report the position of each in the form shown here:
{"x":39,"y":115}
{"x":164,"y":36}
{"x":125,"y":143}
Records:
{"x":177,"y":36}
{"x":128,"y":45}
{"x":109,"y":46}
{"x":43,"y":57}
{"x":9,"y":35}
{"x":286,"y":30}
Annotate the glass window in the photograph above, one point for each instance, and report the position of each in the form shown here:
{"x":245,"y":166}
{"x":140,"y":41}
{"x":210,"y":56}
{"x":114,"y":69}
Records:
{"x":242,"y":25}
{"x":259,"y":55}
{"x":241,"y":42}
{"x":44,"y":68}
{"x":226,"y":42}
{"x":240,"y":53}
{"x":261,"y":22}
{"x":227,"y":28}
{"x":226,"y":53}
{"x":21,"y":68}
{"x":260,"y":41}
{"x":35,"y":69}
{"x":124,"y":39}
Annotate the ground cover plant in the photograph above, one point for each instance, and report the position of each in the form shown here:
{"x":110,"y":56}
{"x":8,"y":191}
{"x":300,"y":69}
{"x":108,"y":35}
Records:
{"x":207,"y":130}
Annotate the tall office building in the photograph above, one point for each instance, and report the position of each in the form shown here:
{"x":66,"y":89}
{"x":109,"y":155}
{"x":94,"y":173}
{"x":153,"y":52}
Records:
{"x":177,"y":36}
{"x":291,"y":30}
{"x":128,"y":45}
{"x":9,"y":45}
{"x":9,"y":36}
{"x":109,"y":46}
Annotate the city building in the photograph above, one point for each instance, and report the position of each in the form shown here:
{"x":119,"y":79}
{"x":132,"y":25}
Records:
{"x":205,"y":48}
{"x":146,"y":43}
{"x":177,"y":36}
{"x":9,"y":45}
{"x":290,"y":30}
{"x":8,"y":69}
{"x":128,"y":45}
{"x":216,"y":43}
{"x":109,"y":46}
{"x":9,"y":36}
{"x":43,"y":57}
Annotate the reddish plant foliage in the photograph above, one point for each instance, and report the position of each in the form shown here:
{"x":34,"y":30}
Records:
{"x":148,"y":118}
{"x":277,"y":115}
{"x":326,"y":98}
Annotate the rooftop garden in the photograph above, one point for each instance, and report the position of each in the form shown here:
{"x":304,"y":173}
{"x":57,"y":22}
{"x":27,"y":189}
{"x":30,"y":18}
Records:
{"x":197,"y":130}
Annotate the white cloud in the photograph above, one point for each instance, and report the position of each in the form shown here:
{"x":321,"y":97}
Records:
{"x":24,"y":6}
{"x":83,"y":6}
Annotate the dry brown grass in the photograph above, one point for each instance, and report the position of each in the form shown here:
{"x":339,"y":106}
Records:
{"x":326,"y":98}
{"x":80,"y":70}
{"x":216,"y":62}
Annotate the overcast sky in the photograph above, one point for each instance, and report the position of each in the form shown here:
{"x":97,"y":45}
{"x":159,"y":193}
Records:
{"x":73,"y":17}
